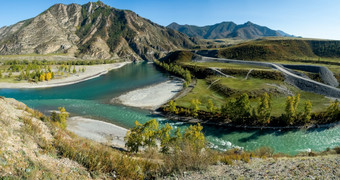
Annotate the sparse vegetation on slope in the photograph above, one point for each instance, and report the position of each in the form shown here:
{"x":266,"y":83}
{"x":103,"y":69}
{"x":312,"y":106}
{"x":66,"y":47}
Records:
{"x":283,"y":49}
{"x":92,"y":31}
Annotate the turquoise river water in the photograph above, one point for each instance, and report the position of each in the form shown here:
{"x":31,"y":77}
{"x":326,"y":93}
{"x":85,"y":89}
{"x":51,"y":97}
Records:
{"x":92,"y":99}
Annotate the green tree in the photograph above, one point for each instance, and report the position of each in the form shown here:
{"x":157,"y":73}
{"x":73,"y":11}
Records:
{"x":211,"y":107}
{"x":142,"y":135}
{"x":333,"y":112}
{"x":60,"y":118}
{"x":63,"y":116}
{"x":21,"y":76}
{"x":291,"y":114}
{"x":150,"y":133}
{"x":165,"y":138}
{"x":173,"y":107}
{"x":195,"y":136}
{"x":306,"y":116}
{"x":264,"y":109}
{"x":238,"y":110}
{"x":134,"y":138}
{"x":10,"y":74}
{"x":0,"y":74}
{"x":185,"y":84}
{"x":187,"y":76}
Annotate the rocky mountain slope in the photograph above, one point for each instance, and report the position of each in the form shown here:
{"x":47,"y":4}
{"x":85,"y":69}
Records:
{"x":23,"y":137}
{"x":91,"y":31}
{"x":222,"y":30}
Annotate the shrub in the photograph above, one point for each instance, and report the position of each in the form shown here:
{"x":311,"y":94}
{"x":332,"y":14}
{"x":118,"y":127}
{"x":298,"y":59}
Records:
{"x":60,"y":118}
{"x":264,"y":152}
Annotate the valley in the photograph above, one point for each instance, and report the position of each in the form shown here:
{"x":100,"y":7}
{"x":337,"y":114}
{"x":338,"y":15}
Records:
{"x":103,"y":93}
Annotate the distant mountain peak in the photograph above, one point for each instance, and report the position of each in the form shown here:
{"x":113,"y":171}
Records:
{"x":249,"y":23}
{"x":226,"y":29}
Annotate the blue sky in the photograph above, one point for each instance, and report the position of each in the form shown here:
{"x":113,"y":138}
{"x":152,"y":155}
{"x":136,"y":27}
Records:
{"x":307,"y":18}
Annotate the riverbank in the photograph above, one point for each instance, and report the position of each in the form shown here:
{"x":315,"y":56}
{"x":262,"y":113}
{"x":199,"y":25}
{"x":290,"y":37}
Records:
{"x":191,"y":120}
{"x":91,"y":72}
{"x":151,"y":97}
{"x":98,"y":131}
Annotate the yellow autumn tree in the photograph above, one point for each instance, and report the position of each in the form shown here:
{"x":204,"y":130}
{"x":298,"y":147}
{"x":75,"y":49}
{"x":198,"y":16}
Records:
{"x":172,"y":107}
{"x":42,"y":76}
{"x":48,"y":76}
{"x":194,"y":107}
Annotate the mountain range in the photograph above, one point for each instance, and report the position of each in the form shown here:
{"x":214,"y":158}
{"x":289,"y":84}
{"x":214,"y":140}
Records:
{"x":91,"y":31}
{"x":97,"y":31}
{"x":229,"y":29}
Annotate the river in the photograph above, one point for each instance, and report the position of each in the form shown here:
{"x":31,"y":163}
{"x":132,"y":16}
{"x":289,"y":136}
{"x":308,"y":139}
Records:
{"x":91,"y":99}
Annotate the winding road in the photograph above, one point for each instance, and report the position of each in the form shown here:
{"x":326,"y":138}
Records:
{"x":300,"y":82}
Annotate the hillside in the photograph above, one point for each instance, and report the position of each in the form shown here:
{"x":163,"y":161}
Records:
{"x":283,"y":49}
{"x":223,"y":30}
{"x":24,"y":145}
{"x":91,"y":31}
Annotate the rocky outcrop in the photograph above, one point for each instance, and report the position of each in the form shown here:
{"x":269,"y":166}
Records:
{"x":91,"y":31}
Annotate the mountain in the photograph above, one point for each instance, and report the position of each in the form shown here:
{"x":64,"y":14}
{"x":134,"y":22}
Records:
{"x":223,"y":30}
{"x":283,"y":48}
{"x":91,"y":31}
{"x":285,"y":34}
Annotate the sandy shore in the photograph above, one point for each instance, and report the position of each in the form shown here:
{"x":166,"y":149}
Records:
{"x":90,"y":73}
{"x":99,"y":131}
{"x":151,"y":97}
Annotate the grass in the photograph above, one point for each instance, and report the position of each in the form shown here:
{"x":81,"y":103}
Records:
{"x":10,"y":80}
{"x":225,"y":65}
{"x":202,"y":93}
{"x":242,"y":84}
{"x":319,"y":102}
